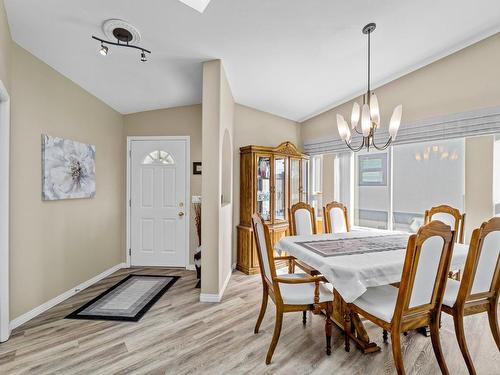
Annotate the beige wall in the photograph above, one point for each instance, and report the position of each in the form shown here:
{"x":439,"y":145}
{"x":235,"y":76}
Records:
{"x":218,"y":115}
{"x":465,"y":80}
{"x":57,"y":245}
{"x":254,"y":127}
{"x":170,"y":122}
{"x":328,"y":187}
{"x":5,"y":47}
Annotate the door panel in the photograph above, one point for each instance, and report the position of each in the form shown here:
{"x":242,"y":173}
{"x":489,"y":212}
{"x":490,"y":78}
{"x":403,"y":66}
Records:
{"x":147,"y":187}
{"x":158,"y":187}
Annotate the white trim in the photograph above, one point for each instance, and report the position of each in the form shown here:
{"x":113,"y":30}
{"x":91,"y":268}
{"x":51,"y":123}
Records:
{"x":64,"y":296}
{"x":213,"y":297}
{"x":4,"y":211}
{"x":187,"y":199}
{"x":191,"y":267}
{"x":420,"y":64}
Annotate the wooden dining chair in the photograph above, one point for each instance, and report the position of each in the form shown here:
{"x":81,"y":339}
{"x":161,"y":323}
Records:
{"x":336,"y":218}
{"x":289,"y":292}
{"x":450,"y":216}
{"x":302,"y":219}
{"x":302,"y":222}
{"x":478,"y":289}
{"x":417,"y":302}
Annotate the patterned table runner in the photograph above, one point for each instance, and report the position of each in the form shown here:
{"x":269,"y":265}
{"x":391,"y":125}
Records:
{"x":359,"y":245}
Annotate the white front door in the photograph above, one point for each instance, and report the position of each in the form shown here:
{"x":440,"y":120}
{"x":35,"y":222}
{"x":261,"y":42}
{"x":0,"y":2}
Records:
{"x":158,"y":223}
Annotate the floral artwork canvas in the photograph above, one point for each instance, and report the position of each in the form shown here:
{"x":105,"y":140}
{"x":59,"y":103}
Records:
{"x":68,"y":169}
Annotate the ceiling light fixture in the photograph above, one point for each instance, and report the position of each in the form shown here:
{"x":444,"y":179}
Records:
{"x":123,"y":39}
{"x":104,"y":50}
{"x":369,"y":116}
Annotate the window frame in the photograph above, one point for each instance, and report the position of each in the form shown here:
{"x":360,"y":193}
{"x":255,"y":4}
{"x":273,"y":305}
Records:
{"x":383,"y":169}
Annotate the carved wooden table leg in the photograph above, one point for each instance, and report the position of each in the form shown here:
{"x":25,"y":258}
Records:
{"x":357,"y":331}
{"x":328,"y":330}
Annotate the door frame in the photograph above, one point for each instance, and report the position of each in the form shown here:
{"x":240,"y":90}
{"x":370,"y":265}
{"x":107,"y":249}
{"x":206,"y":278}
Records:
{"x":4,"y":211}
{"x":187,"y":200}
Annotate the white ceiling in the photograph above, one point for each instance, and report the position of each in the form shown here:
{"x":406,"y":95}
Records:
{"x":293,"y":58}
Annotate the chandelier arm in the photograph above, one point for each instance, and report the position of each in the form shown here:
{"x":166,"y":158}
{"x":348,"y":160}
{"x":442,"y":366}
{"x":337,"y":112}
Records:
{"x":355,"y":149}
{"x":389,"y":141}
{"x":357,"y":131}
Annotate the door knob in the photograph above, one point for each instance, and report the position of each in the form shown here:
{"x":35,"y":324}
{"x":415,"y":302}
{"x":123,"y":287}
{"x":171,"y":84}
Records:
{"x":181,"y":214}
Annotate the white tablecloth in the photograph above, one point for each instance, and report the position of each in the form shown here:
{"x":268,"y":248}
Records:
{"x":351,"y":275}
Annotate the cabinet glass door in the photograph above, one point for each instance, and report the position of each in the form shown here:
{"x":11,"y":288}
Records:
{"x":294,"y":181}
{"x":264,"y":187}
{"x":280,"y":188}
{"x":305,"y":181}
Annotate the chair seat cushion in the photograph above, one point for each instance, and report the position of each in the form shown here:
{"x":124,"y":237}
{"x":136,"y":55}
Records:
{"x":379,"y":301}
{"x":302,"y":294}
{"x":451,"y":293}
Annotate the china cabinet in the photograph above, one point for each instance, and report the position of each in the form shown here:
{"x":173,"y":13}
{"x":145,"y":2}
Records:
{"x":271,"y":180}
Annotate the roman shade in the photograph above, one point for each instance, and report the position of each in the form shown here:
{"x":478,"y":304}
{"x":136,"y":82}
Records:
{"x":466,"y":124}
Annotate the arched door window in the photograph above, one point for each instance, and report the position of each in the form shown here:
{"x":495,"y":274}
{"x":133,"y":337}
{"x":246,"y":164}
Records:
{"x":159,"y":157}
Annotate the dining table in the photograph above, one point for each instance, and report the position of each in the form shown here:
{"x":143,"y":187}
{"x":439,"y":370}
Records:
{"x":354,"y":261}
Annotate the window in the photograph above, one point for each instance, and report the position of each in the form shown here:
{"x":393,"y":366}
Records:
{"x":159,"y":157}
{"x":316,"y":173}
{"x":316,"y":184}
{"x":371,"y":190}
{"x":417,"y":177}
{"x":372,"y":170}
{"x":426,"y":175}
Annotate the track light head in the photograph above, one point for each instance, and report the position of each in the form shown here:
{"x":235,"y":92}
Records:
{"x":104,"y":50}
{"x":143,"y":56}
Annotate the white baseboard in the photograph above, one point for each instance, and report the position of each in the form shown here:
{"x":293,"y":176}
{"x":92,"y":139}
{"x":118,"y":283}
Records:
{"x":191,"y":267}
{"x":62,"y":297}
{"x":214,"y":298}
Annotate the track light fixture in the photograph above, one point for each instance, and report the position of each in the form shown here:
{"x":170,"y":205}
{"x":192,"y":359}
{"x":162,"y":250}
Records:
{"x":123,"y":38}
{"x":104,"y":50}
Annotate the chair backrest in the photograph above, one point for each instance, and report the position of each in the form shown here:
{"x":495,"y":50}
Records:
{"x":450,"y":216}
{"x":302,"y":219}
{"x":481,"y":274}
{"x":265,"y":251}
{"x":336,"y":218}
{"x":427,"y":262}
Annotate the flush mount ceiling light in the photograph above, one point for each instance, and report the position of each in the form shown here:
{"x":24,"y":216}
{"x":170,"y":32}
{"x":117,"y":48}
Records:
{"x":369,"y":114}
{"x":199,"y":5}
{"x":125,"y":34}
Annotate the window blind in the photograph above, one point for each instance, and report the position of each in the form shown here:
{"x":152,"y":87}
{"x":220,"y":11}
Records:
{"x":466,"y":124}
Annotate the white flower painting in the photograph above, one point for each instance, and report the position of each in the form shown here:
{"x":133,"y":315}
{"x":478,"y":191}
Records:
{"x":68,"y":169}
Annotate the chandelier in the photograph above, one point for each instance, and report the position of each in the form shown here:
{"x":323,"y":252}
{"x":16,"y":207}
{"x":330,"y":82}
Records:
{"x":369,"y":114}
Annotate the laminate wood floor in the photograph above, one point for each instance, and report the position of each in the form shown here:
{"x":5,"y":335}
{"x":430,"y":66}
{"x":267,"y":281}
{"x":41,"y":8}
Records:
{"x":180,"y":335}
